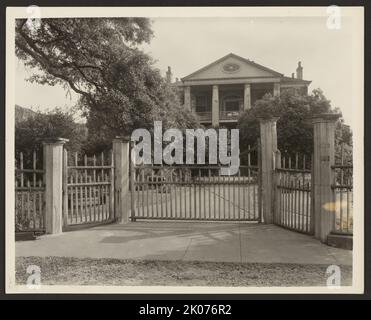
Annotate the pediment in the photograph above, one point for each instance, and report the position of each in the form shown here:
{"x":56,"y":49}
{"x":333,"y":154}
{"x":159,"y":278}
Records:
{"x":232,"y":66}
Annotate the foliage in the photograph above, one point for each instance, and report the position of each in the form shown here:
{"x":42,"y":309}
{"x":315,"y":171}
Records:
{"x":38,"y":127}
{"x":294,"y":126}
{"x":99,"y":59}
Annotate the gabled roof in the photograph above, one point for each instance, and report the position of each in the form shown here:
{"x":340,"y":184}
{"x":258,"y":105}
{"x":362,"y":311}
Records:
{"x":232,"y":55}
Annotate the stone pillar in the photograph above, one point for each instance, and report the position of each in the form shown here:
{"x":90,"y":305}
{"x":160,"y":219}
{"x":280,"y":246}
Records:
{"x":276,"y":89}
{"x":323,"y":159}
{"x":53,"y":179}
{"x":268,"y":142}
{"x":121,"y":148}
{"x":187,"y":98}
{"x":215,"y":106}
{"x":247,"y":97}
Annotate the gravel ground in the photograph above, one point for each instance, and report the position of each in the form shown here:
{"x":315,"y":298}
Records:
{"x":68,"y":271}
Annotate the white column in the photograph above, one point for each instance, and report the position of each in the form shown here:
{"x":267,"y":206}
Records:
{"x":276,"y":89}
{"x":215,"y":106}
{"x":323,"y":158}
{"x":247,"y":97}
{"x":268,"y":141}
{"x":53,"y":164}
{"x":121,"y":146}
{"x":187,"y":97}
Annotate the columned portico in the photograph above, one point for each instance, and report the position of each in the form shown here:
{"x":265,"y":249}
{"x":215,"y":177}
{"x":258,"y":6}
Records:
{"x":219,"y":92}
{"x":247,"y":97}
{"x":215,"y":106}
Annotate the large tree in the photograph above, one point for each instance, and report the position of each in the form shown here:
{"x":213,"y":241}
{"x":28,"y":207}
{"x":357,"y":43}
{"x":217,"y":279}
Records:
{"x":294,"y":126}
{"x":99,"y":59}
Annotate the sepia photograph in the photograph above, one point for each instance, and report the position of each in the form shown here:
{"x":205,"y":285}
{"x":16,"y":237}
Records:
{"x":184,"y":150}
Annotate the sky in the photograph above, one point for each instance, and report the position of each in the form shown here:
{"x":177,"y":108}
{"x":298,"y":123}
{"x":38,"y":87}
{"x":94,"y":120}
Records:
{"x":187,"y":44}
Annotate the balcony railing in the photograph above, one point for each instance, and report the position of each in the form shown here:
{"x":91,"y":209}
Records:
{"x":229,"y":115}
{"x":223,"y":115}
{"x":204,"y":116}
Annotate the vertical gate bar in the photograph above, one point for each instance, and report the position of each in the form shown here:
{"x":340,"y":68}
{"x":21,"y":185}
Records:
{"x":299,"y":207}
{"x":102,"y":186}
{"x":28,"y":201}
{"x":248,"y":184}
{"x":65,"y":187}
{"x":175,"y":183}
{"x":210,"y":185}
{"x":152,"y":186}
{"x":156,"y":194}
{"x":195,"y":193}
{"x":94,"y":189}
{"x":182,"y":213}
{"x":81,"y":198}
{"x":41,"y":211}
{"x":90,"y":199}
{"x":259,"y":185}
{"x":224,"y":198}
{"x":112,"y":189}
{"x":341,"y":183}
{"x":161,"y":191}
{"x":147,"y":194}
{"x":199,"y":194}
{"x":348,"y":209}
{"x":16,"y":201}
{"x":85,"y":189}
{"x":137,"y":191}
{"x":288,"y":198}
{"x":22,"y":184}
{"x":239,"y":195}
{"x":132,"y":184}
{"x":171,"y":186}
{"x":142,"y":186}
{"x":203,"y":184}
{"x":308,"y":211}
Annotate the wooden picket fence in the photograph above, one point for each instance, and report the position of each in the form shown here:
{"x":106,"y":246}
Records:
{"x":29,"y":196}
{"x":88,"y":190}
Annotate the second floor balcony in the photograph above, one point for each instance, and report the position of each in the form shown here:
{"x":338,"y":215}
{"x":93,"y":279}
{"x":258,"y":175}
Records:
{"x":227,"y":116}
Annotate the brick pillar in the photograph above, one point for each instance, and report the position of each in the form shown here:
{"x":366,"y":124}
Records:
{"x":187,"y":98}
{"x":323,"y":159}
{"x":215,"y":106}
{"x":53,"y":178}
{"x":247,"y":97}
{"x":121,"y":148}
{"x":268,"y":141}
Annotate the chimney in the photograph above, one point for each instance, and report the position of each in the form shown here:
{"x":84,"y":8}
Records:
{"x":299,"y":71}
{"x":293,"y":75}
{"x":168,"y":75}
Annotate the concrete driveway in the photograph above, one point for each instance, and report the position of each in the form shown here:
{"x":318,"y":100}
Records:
{"x":226,"y":242}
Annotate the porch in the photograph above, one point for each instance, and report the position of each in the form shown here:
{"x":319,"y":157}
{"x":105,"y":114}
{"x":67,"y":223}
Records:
{"x":215,"y":104}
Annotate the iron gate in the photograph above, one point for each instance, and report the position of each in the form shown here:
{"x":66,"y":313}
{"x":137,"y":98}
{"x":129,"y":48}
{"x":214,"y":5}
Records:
{"x":189,"y":192}
{"x":88,"y":186}
{"x":293,"y":207}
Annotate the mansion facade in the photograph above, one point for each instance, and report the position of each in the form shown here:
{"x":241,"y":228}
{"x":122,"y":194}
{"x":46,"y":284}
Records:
{"x":220,"y":91}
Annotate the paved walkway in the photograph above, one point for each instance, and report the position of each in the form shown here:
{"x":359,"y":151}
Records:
{"x":227,"y":242}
